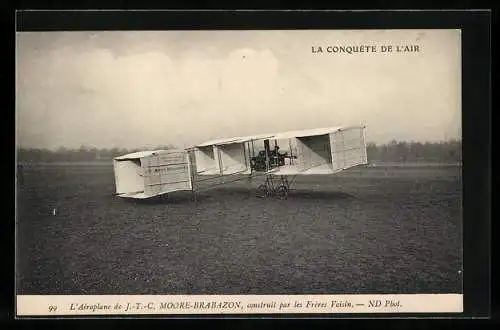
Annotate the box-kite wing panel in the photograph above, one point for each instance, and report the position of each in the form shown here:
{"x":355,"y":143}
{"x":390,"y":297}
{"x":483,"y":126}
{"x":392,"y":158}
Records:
{"x":204,"y":158}
{"x":166,"y":172}
{"x":128,"y":176}
{"x":234,"y":159}
{"x":348,"y":148}
{"x":314,"y":151}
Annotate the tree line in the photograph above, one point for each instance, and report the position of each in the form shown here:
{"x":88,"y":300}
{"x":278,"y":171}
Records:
{"x":402,"y":151}
{"x":63,"y":154}
{"x":394,"y":151}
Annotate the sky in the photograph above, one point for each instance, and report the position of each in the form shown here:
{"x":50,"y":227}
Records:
{"x":133,"y":89}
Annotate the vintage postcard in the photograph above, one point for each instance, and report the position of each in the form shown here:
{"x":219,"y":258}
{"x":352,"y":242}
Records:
{"x":238,"y":172}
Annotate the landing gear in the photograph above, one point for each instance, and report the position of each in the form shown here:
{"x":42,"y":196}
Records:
{"x":271,"y":188}
{"x":262,"y":191}
{"x":282,"y":192}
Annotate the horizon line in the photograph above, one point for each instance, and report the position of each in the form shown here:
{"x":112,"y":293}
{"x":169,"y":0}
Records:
{"x":459,"y":139}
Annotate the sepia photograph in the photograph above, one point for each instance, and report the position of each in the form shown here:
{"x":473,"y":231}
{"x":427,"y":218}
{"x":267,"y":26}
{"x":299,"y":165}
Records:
{"x":239,"y":162}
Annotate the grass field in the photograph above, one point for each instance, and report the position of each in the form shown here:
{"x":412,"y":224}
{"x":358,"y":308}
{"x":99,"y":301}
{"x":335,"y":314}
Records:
{"x":369,"y":230}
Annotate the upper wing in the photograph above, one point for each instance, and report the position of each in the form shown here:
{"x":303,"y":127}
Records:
{"x":319,"y":151}
{"x":232,"y":140}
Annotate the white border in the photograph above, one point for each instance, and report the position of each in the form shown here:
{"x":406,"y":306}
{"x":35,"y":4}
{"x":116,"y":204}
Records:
{"x":64,"y":305}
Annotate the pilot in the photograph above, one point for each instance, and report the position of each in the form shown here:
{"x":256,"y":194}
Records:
{"x":275,"y":156}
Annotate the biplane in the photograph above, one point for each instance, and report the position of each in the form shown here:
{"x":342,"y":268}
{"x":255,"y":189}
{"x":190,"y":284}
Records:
{"x":278,"y":157}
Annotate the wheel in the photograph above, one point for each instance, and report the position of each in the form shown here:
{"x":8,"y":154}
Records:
{"x":262,"y":191}
{"x":282,"y":191}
